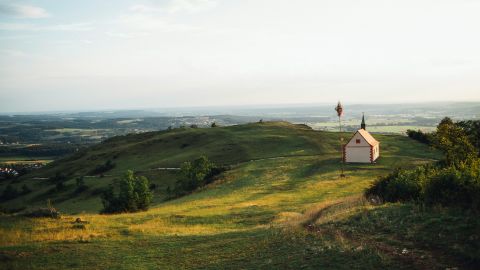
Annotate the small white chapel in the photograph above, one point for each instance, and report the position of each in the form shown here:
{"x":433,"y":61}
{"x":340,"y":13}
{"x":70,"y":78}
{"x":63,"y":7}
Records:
{"x":362,"y":147}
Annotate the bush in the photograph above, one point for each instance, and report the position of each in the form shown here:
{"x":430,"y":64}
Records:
{"x":60,"y":186}
{"x":196,"y":174}
{"x":100,"y":169}
{"x":454,"y":142}
{"x":129,"y":194}
{"x":9,"y":193}
{"x":400,"y":185}
{"x":420,"y":136}
{"x":455,"y":186}
{"x":49,"y":212}
{"x":43,"y":212}
{"x":58,"y":178}
{"x":26,"y":189}
{"x":80,"y":185}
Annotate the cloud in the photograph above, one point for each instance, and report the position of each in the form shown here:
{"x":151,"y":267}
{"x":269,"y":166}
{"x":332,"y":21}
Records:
{"x":13,"y":53}
{"x":35,"y":27}
{"x":174,"y":6}
{"x":144,"y":8}
{"x":149,"y":22}
{"x":191,"y":5}
{"x":23,"y":11}
{"x":127,"y":35}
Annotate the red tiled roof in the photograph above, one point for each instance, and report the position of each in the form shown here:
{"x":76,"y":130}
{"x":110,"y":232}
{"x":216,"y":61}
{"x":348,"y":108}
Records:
{"x":368,"y":137}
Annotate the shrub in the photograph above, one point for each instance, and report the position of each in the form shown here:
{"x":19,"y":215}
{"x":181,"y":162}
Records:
{"x":197,"y":173}
{"x":455,"y":186}
{"x":194,"y":175}
{"x":453,"y":141}
{"x":9,"y":193}
{"x":472,"y":129}
{"x":400,"y":185}
{"x":129,"y":194}
{"x":49,"y":212}
{"x":60,"y":186}
{"x":420,"y":136}
{"x":26,"y":189}
{"x":43,"y":212}
{"x":58,"y":178}
{"x":80,"y":185}
{"x":100,"y":169}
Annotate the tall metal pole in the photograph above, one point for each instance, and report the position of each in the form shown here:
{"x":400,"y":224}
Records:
{"x":339,"y":110}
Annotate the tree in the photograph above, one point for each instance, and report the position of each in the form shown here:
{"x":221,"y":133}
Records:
{"x":10,"y":192}
{"x":25,"y":189}
{"x":419,"y":136}
{"x":472,"y":129}
{"x":80,"y":185}
{"x":59,"y":177}
{"x":143,"y":194}
{"x":214,"y":125}
{"x":129,"y":194}
{"x":452,"y":140}
{"x":195,"y":174}
{"x":100,"y":169}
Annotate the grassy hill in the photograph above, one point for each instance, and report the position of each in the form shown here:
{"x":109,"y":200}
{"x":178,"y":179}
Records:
{"x":146,"y":153}
{"x":272,"y":209}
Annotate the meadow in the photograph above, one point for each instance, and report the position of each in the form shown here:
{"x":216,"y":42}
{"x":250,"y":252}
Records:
{"x":281,"y":205}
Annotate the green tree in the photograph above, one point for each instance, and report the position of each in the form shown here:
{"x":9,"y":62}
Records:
{"x":10,"y":192}
{"x":129,"y":194}
{"x":452,"y":140}
{"x":80,"y":185}
{"x":195,"y":174}
{"x":143,"y":194}
{"x":25,"y":189}
{"x":472,"y":129}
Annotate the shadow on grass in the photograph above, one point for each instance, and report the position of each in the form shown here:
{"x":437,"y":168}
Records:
{"x":448,"y":236}
{"x":255,"y":249}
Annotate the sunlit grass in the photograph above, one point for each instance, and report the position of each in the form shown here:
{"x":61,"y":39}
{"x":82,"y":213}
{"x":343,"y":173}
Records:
{"x":251,"y":217}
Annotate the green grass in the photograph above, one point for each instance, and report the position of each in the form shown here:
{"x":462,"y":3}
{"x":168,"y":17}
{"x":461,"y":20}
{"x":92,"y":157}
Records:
{"x":241,"y":221}
{"x":428,"y":238}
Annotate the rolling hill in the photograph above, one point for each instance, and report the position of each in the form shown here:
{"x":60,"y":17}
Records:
{"x":148,"y":153}
{"x":281,"y":205}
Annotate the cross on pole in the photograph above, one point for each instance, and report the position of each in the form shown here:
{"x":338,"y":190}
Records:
{"x":339,"y":110}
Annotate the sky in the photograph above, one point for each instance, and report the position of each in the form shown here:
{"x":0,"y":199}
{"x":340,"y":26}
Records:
{"x":120,"y":54}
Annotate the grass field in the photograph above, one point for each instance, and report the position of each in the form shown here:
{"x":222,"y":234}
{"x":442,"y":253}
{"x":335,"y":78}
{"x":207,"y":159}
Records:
{"x":266,"y":212}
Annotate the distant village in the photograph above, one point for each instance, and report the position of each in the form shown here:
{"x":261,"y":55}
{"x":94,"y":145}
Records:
{"x":9,"y":171}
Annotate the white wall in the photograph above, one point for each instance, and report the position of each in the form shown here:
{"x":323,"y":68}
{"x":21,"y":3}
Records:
{"x":376,"y":152}
{"x":357,"y":154}
{"x":356,"y":137}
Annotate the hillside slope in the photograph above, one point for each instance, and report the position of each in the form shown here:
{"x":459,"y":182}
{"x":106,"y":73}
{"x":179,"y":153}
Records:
{"x":147,"y":152}
{"x":241,"y":221}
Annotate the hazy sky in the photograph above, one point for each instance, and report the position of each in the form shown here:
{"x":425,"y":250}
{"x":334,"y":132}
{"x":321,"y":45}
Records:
{"x":84,"y":55}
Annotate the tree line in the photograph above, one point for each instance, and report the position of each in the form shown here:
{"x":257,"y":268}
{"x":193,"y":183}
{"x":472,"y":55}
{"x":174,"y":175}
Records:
{"x":452,"y":181}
